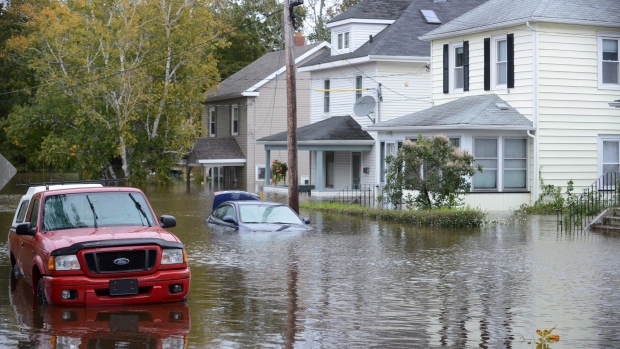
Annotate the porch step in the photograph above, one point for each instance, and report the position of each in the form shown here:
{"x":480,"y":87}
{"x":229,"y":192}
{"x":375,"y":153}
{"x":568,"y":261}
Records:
{"x":606,"y":228}
{"x":613,"y":221}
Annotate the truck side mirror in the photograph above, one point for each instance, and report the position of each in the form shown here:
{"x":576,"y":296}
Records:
{"x":25,"y":229}
{"x":166,"y":221}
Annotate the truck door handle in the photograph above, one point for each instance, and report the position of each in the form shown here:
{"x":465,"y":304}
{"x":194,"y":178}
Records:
{"x":22,"y":244}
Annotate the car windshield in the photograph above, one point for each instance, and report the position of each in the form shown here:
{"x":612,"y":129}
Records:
{"x":268,"y":214}
{"x":105,"y":209}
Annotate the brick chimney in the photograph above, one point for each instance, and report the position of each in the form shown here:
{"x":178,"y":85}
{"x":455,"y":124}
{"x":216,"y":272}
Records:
{"x":300,"y":40}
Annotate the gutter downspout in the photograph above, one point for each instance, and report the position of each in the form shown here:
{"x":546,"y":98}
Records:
{"x":534,"y":109}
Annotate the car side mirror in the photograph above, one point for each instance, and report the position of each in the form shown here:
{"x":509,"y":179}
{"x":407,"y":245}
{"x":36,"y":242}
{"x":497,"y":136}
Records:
{"x":166,"y":221}
{"x":306,"y":220}
{"x":229,"y":219}
{"x":25,"y":229}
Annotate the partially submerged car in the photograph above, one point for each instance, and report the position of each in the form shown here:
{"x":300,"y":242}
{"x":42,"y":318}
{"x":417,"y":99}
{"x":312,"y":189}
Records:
{"x":237,"y":211}
{"x":85,"y":244}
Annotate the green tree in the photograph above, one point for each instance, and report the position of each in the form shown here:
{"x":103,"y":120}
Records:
{"x":431,"y":167}
{"x":121,"y":82}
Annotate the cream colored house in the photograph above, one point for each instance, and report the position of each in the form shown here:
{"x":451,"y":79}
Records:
{"x":554,"y":63}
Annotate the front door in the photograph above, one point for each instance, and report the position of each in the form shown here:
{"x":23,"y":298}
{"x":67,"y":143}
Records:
{"x":356,"y":167}
{"x":329,"y":169}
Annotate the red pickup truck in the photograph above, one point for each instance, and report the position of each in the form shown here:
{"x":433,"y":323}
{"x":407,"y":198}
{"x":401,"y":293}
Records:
{"x":85,"y":244}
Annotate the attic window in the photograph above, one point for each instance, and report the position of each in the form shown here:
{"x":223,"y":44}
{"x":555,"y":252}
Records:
{"x":430,"y":16}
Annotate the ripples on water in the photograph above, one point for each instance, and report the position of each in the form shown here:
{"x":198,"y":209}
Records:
{"x":355,"y":283}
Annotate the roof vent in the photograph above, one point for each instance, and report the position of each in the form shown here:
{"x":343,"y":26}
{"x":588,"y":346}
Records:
{"x":430,"y":16}
{"x":502,"y":106}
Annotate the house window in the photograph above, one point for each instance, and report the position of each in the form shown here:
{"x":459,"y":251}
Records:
{"x":326,"y":96}
{"x":609,"y":67}
{"x":485,"y":154}
{"x":457,"y":67}
{"x":455,"y":142}
{"x":260,"y":172}
{"x":343,"y":40}
{"x":212,"y":118}
{"x":234,"y":120}
{"x":515,"y":163}
{"x":358,"y":87}
{"x":499,"y":68}
{"x":609,"y":160}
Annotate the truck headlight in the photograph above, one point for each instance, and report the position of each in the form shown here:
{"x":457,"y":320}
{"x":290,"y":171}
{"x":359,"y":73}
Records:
{"x":69,"y":262}
{"x":173,"y":256}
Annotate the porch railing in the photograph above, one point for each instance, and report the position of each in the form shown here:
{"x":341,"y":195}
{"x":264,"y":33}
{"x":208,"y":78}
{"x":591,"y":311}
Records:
{"x":363,"y":195}
{"x":581,"y":210}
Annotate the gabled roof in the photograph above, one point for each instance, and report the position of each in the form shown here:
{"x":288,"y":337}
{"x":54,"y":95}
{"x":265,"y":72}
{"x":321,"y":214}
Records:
{"x":401,"y":38}
{"x":472,"y":112}
{"x":216,"y":151}
{"x":258,"y":73}
{"x":337,"y":129}
{"x":505,"y":13}
{"x":374,"y":9}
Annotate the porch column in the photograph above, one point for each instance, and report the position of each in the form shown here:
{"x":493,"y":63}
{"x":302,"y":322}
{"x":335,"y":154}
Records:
{"x":320,"y":181}
{"x":204,"y":176}
{"x":267,"y":166}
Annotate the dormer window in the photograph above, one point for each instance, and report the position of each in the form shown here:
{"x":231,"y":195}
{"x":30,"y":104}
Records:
{"x":343,"y":41}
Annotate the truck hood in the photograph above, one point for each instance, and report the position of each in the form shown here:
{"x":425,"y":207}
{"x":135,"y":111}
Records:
{"x":70,"y":237}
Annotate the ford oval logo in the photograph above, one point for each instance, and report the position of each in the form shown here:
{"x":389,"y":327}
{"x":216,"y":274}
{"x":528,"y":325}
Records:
{"x":121,"y":261}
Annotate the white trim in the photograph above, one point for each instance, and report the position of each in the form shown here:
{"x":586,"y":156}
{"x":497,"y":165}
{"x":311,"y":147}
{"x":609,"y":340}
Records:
{"x":600,"y":38}
{"x":283,"y":69}
{"x":601,"y":139}
{"x":452,"y":67}
{"x":406,"y":59}
{"x":494,"y":71}
{"x":358,"y":20}
{"x":212,"y":121}
{"x":250,"y":94}
{"x":444,"y":127}
{"x":233,"y":108}
{"x":229,"y":162}
{"x":368,"y":142}
{"x":257,"y":171}
{"x":334,"y":64}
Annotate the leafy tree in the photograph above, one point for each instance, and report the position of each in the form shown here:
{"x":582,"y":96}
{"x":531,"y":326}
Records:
{"x":319,"y":12}
{"x":433,"y":168}
{"x":121,"y":82}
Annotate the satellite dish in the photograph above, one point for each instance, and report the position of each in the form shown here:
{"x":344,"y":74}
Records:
{"x":364,"y":106}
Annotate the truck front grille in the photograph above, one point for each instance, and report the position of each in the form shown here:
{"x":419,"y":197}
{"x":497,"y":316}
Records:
{"x":120,"y":261}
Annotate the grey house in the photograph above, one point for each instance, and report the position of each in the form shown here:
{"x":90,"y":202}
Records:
{"x":249,"y":105}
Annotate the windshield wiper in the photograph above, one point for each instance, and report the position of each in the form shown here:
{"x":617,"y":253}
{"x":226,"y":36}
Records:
{"x":139,"y":207}
{"x":92,"y":207}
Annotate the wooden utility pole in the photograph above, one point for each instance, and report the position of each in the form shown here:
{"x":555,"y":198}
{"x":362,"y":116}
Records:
{"x":291,"y":99}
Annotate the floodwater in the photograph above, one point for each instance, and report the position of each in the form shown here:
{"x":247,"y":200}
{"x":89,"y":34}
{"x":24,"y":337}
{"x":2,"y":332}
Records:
{"x":350,"y":283}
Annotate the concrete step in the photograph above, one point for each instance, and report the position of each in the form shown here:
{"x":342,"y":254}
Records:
{"x":612,"y":220}
{"x":605,"y":228}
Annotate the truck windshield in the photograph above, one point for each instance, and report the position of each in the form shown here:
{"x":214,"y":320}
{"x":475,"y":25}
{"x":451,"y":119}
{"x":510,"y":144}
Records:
{"x":85,"y":210}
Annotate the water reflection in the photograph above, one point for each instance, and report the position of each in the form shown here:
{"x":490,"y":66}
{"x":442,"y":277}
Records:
{"x":137,"y":326}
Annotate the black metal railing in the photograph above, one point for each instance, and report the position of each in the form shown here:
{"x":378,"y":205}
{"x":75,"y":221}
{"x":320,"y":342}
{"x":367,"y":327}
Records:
{"x":363,"y":195}
{"x":580,"y":210}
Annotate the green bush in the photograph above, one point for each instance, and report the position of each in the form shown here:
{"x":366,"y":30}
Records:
{"x":439,"y":218}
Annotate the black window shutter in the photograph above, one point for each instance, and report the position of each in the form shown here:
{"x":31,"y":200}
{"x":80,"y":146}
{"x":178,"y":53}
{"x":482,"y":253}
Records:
{"x":510,"y":43}
{"x":465,"y":65}
{"x":446,"y":70}
{"x":487,"y":64}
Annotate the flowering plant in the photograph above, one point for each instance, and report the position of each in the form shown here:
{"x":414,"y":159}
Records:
{"x":278,"y":171}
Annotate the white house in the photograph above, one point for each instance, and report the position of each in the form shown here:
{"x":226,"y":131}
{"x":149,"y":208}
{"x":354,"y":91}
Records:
{"x":553,"y":63}
{"x":375,"y":53}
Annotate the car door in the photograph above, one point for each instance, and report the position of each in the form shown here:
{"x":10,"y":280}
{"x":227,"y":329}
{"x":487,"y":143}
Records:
{"x":223,"y":211}
{"x":26,"y":243}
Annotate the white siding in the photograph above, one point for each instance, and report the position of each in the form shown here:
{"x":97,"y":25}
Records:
{"x":405,"y":88}
{"x":573,"y":111}
{"x":359,"y":34}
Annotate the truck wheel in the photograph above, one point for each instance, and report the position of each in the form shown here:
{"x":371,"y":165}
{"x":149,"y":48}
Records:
{"x":41,"y":299}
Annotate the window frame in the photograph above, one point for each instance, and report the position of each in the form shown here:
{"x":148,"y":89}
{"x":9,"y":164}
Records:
{"x":359,"y":84}
{"x":452,"y":75}
{"x":503,"y":164}
{"x":494,"y":62}
{"x":601,"y":37}
{"x":258,"y":171}
{"x":497,"y":165}
{"x":212,"y":121}
{"x":343,"y":41}
{"x":234,"y":120}
{"x":326,"y":95}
